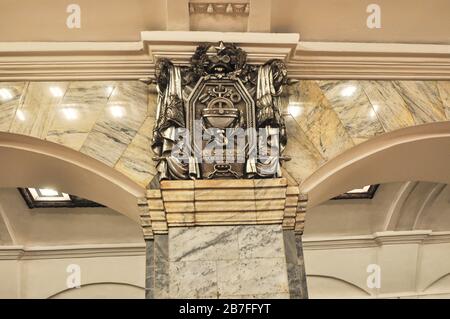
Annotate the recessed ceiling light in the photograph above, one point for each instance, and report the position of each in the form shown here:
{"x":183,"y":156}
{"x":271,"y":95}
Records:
{"x":365,"y":192}
{"x":5,"y":94}
{"x":348,"y":90}
{"x":48,"y":194}
{"x":360,"y":190}
{"x":56,"y":91}
{"x":52,"y":198}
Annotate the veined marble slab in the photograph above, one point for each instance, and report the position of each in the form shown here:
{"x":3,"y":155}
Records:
{"x":124,"y":114}
{"x":444,"y":91}
{"x":388,"y":105}
{"x":37,"y":110}
{"x":136,"y":162}
{"x":423,"y":100}
{"x":305,"y":157}
{"x":252,"y":276}
{"x":311,"y":110}
{"x":78,"y":111}
{"x":260,"y":241}
{"x":9,"y":103}
{"x":193,"y":279}
{"x":348,"y":100}
{"x":203,"y":243}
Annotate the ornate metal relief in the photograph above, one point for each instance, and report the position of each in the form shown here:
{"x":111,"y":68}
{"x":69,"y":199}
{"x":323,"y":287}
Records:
{"x":219,"y":117}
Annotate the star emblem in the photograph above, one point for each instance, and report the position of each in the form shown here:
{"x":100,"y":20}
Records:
{"x":220,"y":47}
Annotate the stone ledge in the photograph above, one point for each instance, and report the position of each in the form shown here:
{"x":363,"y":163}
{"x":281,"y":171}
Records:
{"x":225,"y":202}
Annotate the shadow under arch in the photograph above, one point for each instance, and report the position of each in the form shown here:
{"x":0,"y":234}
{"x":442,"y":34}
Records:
{"x":418,"y":153}
{"x":31,"y":162}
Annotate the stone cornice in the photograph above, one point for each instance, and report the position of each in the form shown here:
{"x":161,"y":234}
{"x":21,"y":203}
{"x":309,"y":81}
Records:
{"x":305,"y":60}
{"x":377,"y":239}
{"x":71,"y":251}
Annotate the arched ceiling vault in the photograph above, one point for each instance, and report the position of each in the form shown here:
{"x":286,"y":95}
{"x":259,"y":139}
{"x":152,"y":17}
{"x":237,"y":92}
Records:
{"x":31,"y":162}
{"x":419,"y":153}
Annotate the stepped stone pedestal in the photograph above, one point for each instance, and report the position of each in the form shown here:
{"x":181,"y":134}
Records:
{"x":224,"y":239}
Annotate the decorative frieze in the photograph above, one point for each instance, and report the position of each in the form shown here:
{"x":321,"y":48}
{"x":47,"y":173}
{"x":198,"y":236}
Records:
{"x":231,"y":8}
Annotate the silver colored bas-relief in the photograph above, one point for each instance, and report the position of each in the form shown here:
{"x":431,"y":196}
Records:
{"x":219,"y":117}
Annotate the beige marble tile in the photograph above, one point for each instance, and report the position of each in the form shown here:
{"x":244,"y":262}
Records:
{"x":116,"y":127}
{"x":348,"y":100}
{"x":305,"y":157}
{"x":388,"y":105}
{"x":252,"y":276}
{"x":423,"y":100}
{"x":152,"y":100}
{"x":444,"y":92}
{"x":308,"y":106}
{"x":38,"y":107}
{"x":78,"y":111}
{"x":136,"y":162}
{"x":10,"y":98}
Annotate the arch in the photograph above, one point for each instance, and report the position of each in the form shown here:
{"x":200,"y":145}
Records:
{"x":32,"y":162}
{"x":344,"y":287}
{"x":131,"y":289}
{"x":418,"y":153}
{"x":440,"y":284}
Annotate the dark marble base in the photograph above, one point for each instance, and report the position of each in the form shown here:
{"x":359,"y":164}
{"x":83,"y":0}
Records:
{"x":295,"y":265}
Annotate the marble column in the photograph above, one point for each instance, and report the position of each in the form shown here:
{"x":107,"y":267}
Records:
{"x":295,"y":264}
{"x":157,"y":267}
{"x":161,"y":262}
{"x":149,"y":269}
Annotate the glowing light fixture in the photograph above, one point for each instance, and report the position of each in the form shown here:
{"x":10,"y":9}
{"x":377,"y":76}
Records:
{"x":48,"y":194}
{"x":365,"y":192}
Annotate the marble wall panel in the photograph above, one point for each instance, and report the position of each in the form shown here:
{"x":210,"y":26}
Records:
{"x":252,"y":276}
{"x":112,"y":120}
{"x":193,"y":279}
{"x":349,"y":101}
{"x":312,"y":111}
{"x":136,"y":162}
{"x":37,"y":109}
{"x":388,"y":105}
{"x":125,"y":113}
{"x":423,"y":100}
{"x":227,"y":261}
{"x":203,"y":243}
{"x":10,"y":98}
{"x":305,"y":157}
{"x":78,"y":111}
{"x":444,"y":92}
{"x":260,"y":241}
